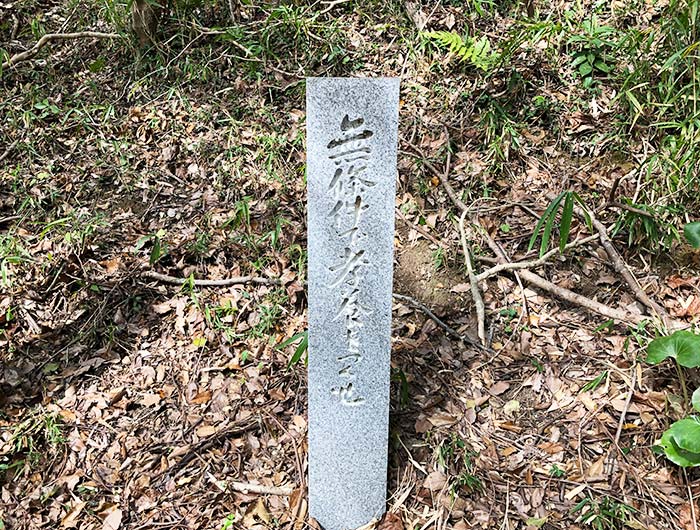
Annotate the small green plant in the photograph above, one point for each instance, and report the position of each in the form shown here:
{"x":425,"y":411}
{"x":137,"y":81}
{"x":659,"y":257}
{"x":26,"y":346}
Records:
{"x":648,"y":225}
{"x":476,"y":52}
{"x":454,"y":456}
{"x":158,"y":245}
{"x":301,"y":348}
{"x":546,"y":223}
{"x":557,"y":472}
{"x":593,"y":50}
{"x":439,"y":258}
{"x":603,"y":514}
{"x":680,"y":442}
{"x":39,"y":430}
{"x":228,"y":522}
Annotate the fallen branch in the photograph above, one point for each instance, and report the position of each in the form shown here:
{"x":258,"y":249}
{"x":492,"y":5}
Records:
{"x":7,"y":151}
{"x":245,"y":487}
{"x":531,"y":277}
{"x":517,"y":265}
{"x":450,"y":331}
{"x":566,"y":294}
{"x":236,"y":280}
{"x":622,"y":269}
{"x":49,"y":37}
{"x":473,"y":283}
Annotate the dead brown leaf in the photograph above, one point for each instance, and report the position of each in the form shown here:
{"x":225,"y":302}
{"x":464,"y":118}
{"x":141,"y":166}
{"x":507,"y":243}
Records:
{"x":391,"y":521}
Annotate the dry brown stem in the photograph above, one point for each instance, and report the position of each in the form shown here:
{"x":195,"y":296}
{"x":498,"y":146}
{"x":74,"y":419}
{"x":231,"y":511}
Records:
{"x":432,"y":316}
{"x":473,"y":282}
{"x":245,"y":487}
{"x":621,"y":268}
{"x":49,"y":37}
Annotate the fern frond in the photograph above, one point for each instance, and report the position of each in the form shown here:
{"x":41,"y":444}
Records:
{"x":466,"y":49}
{"x":458,"y":46}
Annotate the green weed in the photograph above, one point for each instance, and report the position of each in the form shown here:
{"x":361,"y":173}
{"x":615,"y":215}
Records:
{"x":603,"y":514}
{"x":39,"y":430}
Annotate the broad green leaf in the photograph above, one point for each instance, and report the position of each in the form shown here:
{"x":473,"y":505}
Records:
{"x":681,"y":442}
{"x":566,"y":216}
{"x":686,"y":433}
{"x":677,"y":455}
{"x":695,"y":400}
{"x":585,"y":69}
{"x":692,"y":233}
{"x":602,"y":66}
{"x":578,"y":60}
{"x":683,"y":346}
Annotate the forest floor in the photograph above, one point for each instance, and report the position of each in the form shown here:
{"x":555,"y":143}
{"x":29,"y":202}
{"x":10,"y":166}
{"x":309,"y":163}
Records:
{"x":130,"y":402}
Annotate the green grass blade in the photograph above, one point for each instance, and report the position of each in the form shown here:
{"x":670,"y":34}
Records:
{"x":566,"y":216}
{"x":543,"y":220}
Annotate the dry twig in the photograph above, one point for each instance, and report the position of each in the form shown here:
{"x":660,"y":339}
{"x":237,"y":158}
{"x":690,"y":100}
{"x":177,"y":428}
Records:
{"x":517,"y":265}
{"x":7,"y":151}
{"x":450,"y":331}
{"x":473,"y":282}
{"x":245,"y":487}
{"x":43,"y":41}
{"x":623,"y":414}
{"x":622,"y":269}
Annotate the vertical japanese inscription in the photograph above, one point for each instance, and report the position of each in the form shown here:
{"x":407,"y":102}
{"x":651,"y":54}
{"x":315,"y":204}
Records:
{"x":349,"y":154}
{"x":351,"y":142}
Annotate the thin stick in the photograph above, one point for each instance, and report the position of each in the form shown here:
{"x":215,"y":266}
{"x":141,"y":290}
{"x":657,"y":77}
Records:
{"x":420,"y":229}
{"x":621,"y":423}
{"x":7,"y":151}
{"x":622,"y":269}
{"x":331,"y":5}
{"x":473,"y":283}
{"x":236,"y":280}
{"x":501,"y":267}
{"x":690,"y":499}
{"x":626,"y":207}
{"x":450,"y":331}
{"x":245,"y":487}
{"x":43,"y":41}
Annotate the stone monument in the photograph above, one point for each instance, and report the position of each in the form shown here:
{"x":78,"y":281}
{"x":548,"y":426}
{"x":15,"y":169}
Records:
{"x":352,"y":127}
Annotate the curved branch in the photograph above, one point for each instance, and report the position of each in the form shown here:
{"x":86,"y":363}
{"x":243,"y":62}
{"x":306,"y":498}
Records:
{"x":43,"y":41}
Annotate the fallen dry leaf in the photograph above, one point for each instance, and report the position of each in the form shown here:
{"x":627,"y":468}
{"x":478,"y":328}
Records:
{"x":113,"y":520}
{"x":391,"y":521}
{"x":435,"y":481}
